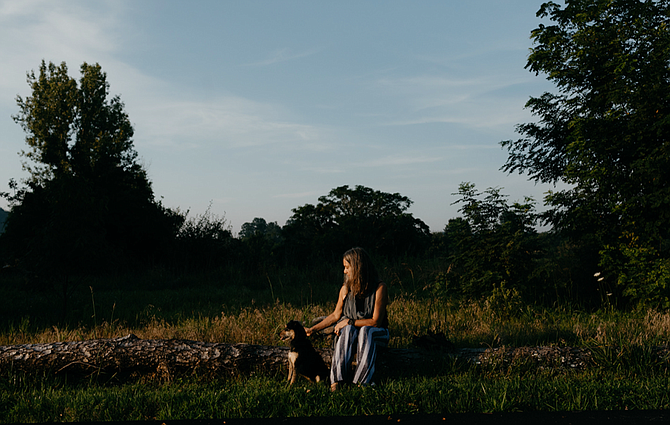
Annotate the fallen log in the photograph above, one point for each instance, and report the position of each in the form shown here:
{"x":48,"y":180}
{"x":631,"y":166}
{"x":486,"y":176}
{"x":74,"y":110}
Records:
{"x":130,"y":355}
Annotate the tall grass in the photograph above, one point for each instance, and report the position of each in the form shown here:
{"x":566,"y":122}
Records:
{"x":215,"y":311}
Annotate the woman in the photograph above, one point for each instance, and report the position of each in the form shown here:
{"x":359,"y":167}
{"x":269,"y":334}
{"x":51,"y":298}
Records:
{"x":361,"y":320}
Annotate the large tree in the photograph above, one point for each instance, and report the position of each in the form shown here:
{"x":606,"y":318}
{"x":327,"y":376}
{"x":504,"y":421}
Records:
{"x":605,"y":133}
{"x":88,"y":202}
{"x":346,"y":217}
{"x":75,"y":129}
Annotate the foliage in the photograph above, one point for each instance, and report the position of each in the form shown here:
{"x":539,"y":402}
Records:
{"x":259,"y":227}
{"x":74,"y":129}
{"x":88,"y":206}
{"x":264,"y":242}
{"x":202,"y":242}
{"x":494,"y":245}
{"x":361,"y":216}
{"x":640,"y":270}
{"x":605,"y":132}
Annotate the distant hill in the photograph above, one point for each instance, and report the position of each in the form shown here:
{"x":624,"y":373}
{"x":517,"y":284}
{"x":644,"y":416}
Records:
{"x":3,"y":216}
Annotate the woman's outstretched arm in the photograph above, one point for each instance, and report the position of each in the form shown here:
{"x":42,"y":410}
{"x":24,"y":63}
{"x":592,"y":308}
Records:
{"x":332,"y":317}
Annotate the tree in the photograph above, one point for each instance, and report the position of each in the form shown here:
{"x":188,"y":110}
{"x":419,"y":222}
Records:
{"x":88,"y":203}
{"x":263,"y":241}
{"x":203,"y":242}
{"x":74,"y":129}
{"x":258,"y":227}
{"x":605,"y":133}
{"x":360,"y":216}
{"x":492,"y":247}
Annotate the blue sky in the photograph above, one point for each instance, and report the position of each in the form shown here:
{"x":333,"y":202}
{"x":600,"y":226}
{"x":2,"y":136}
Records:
{"x":257,"y":107}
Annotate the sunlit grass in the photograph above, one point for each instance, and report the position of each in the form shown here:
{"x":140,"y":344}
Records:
{"x":251,"y":316}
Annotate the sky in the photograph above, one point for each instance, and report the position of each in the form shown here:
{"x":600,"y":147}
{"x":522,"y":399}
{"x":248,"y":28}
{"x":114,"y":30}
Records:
{"x":252,"y":108}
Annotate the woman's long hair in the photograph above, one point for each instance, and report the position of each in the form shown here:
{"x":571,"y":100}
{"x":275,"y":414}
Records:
{"x":363,"y":277}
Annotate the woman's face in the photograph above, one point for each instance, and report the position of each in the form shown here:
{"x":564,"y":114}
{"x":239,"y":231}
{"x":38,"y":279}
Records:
{"x":347,"y":268}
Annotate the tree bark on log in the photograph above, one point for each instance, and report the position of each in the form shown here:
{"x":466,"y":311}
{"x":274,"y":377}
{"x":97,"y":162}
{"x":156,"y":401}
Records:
{"x":130,"y":355}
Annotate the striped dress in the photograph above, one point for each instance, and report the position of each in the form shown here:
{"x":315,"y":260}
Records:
{"x":363,"y":341}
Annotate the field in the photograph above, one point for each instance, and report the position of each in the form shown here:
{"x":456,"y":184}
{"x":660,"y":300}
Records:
{"x":225,"y":307}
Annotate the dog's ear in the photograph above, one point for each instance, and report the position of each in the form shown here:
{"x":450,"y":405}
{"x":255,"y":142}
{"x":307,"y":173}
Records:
{"x":300,"y":330}
{"x":293,"y":324}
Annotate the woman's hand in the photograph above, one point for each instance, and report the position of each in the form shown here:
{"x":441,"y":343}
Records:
{"x":340,"y":325}
{"x":333,"y":317}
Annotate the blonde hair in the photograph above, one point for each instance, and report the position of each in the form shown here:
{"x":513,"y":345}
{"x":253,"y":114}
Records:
{"x":363,"y":277}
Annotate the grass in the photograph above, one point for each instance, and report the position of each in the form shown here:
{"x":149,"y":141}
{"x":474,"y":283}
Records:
{"x":46,"y":399}
{"x":223,"y":307}
{"x":202,"y":314}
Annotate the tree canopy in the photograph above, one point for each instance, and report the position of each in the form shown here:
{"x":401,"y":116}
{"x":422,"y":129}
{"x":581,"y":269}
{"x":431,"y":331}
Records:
{"x":494,"y":246}
{"x":74,"y":129}
{"x":88,"y":202}
{"x":360,"y":216}
{"x":605,"y":131}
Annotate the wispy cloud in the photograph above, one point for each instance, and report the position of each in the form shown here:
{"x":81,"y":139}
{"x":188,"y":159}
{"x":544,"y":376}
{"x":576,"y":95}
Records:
{"x":164,"y":115}
{"x":70,"y":31}
{"x":284,"y":55}
{"x":480,"y":102}
{"x":397,"y":160}
{"x":326,"y":169}
{"x":230,"y":121}
{"x":59,"y":29}
{"x":295,"y":195}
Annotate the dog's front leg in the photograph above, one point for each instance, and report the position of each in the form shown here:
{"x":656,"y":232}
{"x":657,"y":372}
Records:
{"x":292,"y":374}
{"x":291,"y":371}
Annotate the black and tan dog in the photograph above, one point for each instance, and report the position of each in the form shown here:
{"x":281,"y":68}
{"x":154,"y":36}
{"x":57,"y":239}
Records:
{"x":302,"y":358}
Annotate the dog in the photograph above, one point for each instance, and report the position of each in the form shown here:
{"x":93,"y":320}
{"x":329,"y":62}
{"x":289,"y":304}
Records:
{"x":303,"y":359}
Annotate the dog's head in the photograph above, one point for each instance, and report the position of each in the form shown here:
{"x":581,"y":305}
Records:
{"x":293,"y":330}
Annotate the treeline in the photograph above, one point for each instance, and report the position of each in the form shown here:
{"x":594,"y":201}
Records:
{"x":88,"y":206}
{"x":493,"y":251}
{"x":67,"y":228}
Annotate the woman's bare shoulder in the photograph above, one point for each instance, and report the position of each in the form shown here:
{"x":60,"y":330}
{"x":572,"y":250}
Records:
{"x":343,"y":291}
